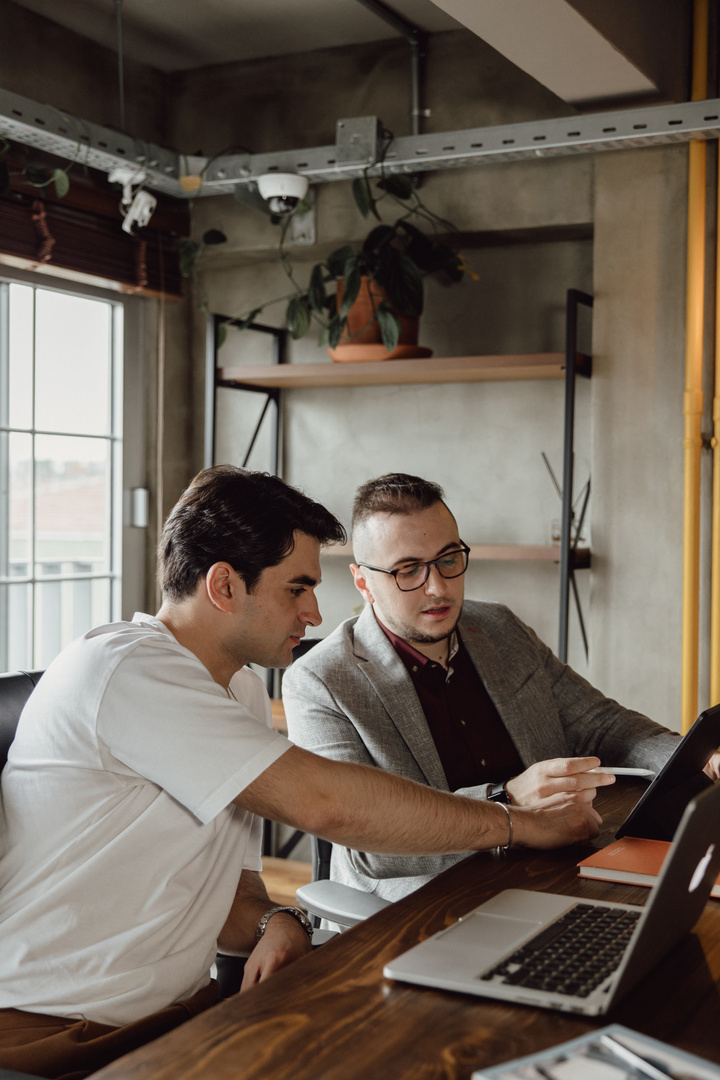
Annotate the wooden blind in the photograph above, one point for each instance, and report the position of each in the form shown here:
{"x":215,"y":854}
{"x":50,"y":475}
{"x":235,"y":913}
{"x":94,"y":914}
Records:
{"x":84,"y":233}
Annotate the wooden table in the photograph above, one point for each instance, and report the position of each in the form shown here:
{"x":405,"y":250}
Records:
{"x":332,"y":1016}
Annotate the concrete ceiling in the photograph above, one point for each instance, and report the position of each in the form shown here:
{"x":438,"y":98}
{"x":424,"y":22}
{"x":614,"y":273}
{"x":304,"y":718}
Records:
{"x":176,"y":35}
{"x":558,"y":42}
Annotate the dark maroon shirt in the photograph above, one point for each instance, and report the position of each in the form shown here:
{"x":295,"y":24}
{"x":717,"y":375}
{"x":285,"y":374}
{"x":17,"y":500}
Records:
{"x":471,"y":740}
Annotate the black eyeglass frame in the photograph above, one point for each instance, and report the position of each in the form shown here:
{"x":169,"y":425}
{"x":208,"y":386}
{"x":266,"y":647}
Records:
{"x":430,"y":562}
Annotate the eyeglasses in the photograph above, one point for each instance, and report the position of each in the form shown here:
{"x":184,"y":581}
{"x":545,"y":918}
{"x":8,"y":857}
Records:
{"x":450,"y":564}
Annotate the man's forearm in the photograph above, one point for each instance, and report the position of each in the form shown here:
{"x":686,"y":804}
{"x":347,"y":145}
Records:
{"x":250,"y":904}
{"x":369,"y":809}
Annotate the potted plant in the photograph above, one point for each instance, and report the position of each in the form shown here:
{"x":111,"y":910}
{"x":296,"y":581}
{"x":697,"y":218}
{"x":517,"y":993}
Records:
{"x":368,"y":300}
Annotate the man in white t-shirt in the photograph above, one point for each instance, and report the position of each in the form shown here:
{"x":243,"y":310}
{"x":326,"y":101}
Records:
{"x":130,"y":842}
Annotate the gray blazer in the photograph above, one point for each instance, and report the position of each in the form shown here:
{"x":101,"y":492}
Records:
{"x":351,"y":699}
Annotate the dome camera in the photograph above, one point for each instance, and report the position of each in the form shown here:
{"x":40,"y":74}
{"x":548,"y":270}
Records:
{"x":282,"y":191}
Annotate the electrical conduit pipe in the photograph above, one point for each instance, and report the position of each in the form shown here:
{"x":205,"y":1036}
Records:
{"x":693,"y":398}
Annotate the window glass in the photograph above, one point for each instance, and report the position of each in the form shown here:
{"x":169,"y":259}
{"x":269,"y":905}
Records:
{"x":60,"y":470}
{"x":20,"y":351}
{"x":72,"y":364}
{"x":72,"y":520}
{"x":20,"y":503}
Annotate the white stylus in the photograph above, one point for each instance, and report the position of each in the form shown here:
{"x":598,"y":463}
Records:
{"x":622,"y":771}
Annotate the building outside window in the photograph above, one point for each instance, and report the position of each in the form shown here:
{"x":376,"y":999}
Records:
{"x":61,"y":464}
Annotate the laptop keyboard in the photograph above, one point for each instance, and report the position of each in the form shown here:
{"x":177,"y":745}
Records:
{"x":574,"y":954}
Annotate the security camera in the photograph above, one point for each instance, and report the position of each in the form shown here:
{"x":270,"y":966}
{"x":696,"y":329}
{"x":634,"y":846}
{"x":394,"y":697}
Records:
{"x":140,"y":211}
{"x":282,"y":191}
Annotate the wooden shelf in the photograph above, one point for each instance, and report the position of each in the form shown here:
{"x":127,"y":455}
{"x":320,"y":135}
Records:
{"x":495,"y":553}
{"x":453,"y":369}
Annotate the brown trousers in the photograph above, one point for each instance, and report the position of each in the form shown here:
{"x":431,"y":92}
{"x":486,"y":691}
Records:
{"x":63,"y":1049}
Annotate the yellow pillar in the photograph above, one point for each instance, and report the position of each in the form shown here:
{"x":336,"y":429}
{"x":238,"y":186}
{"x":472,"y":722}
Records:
{"x":693,"y":399}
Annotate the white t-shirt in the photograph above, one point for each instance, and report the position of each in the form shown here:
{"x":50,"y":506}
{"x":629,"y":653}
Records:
{"x":121,"y":848}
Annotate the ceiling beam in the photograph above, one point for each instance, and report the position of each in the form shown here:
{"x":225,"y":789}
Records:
{"x":556,"y":45}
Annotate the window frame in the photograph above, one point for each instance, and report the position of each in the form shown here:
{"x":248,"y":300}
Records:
{"x":127,"y":439}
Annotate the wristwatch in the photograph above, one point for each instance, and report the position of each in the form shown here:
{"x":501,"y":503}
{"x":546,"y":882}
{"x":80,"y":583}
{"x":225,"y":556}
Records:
{"x":296,"y":914}
{"x":497,"y":793}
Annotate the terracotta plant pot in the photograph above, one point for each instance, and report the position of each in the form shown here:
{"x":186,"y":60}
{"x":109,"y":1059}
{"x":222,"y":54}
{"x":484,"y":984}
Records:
{"x":363,"y":340}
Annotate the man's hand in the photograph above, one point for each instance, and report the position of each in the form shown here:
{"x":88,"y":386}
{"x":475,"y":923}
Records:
{"x":557,"y":777}
{"x":713,"y":767}
{"x":566,"y":819}
{"x":284,"y":940}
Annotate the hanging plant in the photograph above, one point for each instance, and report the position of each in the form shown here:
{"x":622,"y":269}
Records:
{"x":33,"y":174}
{"x":397,"y":257}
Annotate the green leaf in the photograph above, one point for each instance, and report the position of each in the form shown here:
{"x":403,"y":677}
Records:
{"x":298,"y":317}
{"x":336,"y":328}
{"x":62,"y":182}
{"x":352,"y":279}
{"x":187,"y":250}
{"x":377,"y":239}
{"x":402,"y":281}
{"x":397,"y":185}
{"x":362,"y":193}
{"x":214,"y":236}
{"x":453,"y":266}
{"x":389,"y":325}
{"x":335,"y":263}
{"x":221,"y":334}
{"x":316,"y":289}
{"x":37,"y":176}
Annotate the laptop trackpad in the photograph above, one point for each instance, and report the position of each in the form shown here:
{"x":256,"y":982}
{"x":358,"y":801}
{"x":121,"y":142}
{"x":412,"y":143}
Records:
{"x":487,"y":937}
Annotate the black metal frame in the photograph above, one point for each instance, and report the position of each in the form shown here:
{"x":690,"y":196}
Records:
{"x":272,"y":394}
{"x":576,"y":363}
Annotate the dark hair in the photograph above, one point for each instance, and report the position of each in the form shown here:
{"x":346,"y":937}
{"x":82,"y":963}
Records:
{"x":395,"y":493}
{"x":244,"y":518}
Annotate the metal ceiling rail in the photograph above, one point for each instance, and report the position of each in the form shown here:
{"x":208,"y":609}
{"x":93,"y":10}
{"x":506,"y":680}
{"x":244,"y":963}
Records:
{"x":68,"y":137}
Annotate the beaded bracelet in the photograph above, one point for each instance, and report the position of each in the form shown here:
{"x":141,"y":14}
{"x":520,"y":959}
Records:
{"x":510,"y":823}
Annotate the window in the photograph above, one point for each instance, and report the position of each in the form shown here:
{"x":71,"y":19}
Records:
{"x":60,"y":468}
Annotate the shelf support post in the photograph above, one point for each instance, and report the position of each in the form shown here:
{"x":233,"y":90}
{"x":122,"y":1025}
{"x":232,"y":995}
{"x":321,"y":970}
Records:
{"x":573,"y":366}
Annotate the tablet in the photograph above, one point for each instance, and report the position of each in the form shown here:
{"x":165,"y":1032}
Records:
{"x":657,"y":815}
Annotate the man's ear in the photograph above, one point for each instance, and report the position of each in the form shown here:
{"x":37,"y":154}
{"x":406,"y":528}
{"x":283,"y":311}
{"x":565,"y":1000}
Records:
{"x":361,"y":582}
{"x":222,"y":585}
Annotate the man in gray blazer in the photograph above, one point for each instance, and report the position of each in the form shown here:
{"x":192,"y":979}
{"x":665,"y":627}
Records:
{"x":459,"y":695}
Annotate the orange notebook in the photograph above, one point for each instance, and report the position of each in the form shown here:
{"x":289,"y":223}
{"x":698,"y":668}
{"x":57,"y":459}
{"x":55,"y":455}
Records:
{"x":631,"y":860}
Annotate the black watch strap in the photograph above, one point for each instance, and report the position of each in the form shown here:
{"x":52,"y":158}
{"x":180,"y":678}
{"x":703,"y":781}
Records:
{"x":497,"y":793}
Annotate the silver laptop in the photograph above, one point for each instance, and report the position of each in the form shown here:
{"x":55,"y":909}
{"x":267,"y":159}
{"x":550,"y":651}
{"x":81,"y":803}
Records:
{"x":558,"y":952}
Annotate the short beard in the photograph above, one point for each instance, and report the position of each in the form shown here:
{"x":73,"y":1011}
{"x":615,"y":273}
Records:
{"x":412,"y":636}
{"x":429,"y":639}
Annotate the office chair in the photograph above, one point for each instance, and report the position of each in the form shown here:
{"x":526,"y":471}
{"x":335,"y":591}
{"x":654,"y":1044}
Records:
{"x":15,"y":688}
{"x":324,"y":899}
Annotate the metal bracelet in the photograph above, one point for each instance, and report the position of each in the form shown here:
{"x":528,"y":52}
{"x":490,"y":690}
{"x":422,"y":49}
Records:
{"x":297,"y":913}
{"x":507,"y":846}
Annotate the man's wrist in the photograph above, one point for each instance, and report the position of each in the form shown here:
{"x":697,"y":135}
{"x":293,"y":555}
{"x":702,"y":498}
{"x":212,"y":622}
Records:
{"x":297,"y":913}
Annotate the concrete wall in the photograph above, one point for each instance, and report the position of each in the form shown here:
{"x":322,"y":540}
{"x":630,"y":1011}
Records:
{"x":637,"y":396}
